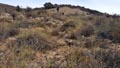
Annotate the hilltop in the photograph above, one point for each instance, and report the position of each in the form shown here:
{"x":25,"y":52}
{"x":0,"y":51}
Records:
{"x":73,"y":37}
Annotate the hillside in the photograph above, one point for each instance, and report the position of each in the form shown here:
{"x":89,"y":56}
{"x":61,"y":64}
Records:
{"x":73,"y":37}
{"x":6,"y":8}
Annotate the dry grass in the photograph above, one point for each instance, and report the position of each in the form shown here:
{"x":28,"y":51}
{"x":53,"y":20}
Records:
{"x":35,"y":38}
{"x":73,"y":38}
{"x":7,"y":30}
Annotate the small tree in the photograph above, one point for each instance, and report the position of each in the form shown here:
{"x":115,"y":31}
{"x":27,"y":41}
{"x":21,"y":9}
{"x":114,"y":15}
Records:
{"x":48,"y":5}
{"x":18,"y":8}
{"x":28,"y":9}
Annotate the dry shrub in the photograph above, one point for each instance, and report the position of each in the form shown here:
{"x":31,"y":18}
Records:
{"x":110,"y":57}
{"x":7,"y":30}
{"x":42,"y":12}
{"x":19,"y":16}
{"x":5,"y":17}
{"x":85,"y":30}
{"x":108,"y":28}
{"x":17,"y":57}
{"x":81,"y":58}
{"x":35,"y":38}
{"x":29,"y":23}
{"x":70,"y":24}
{"x":115,"y":31}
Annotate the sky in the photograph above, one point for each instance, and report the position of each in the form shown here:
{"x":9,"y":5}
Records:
{"x":106,"y":6}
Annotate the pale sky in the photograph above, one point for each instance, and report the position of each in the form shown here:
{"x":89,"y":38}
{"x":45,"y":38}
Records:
{"x":108,"y":6}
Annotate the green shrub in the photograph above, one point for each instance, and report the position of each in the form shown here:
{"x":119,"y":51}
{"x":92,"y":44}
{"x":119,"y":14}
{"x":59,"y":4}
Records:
{"x":28,"y":9}
{"x":18,"y":8}
{"x":48,"y":5}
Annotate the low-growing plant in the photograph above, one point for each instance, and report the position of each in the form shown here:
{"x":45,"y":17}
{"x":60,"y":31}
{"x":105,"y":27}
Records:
{"x":35,"y":38}
{"x":81,"y":58}
{"x":5,"y":17}
{"x":7,"y":30}
{"x":110,"y":57}
{"x":17,"y":57}
{"x":86,"y":31}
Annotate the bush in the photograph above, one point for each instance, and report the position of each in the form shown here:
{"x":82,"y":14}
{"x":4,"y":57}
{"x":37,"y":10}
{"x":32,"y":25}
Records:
{"x":108,"y":28}
{"x":35,"y":38}
{"x":29,"y":23}
{"x":26,"y":24}
{"x":28,"y":9}
{"x":18,"y":8}
{"x":18,"y":16}
{"x":5,"y":17}
{"x":68,"y":25}
{"x":87,"y":30}
{"x":110,"y":57}
{"x":48,"y":5}
{"x":81,"y":58}
{"x":7,"y":30}
{"x":19,"y":57}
